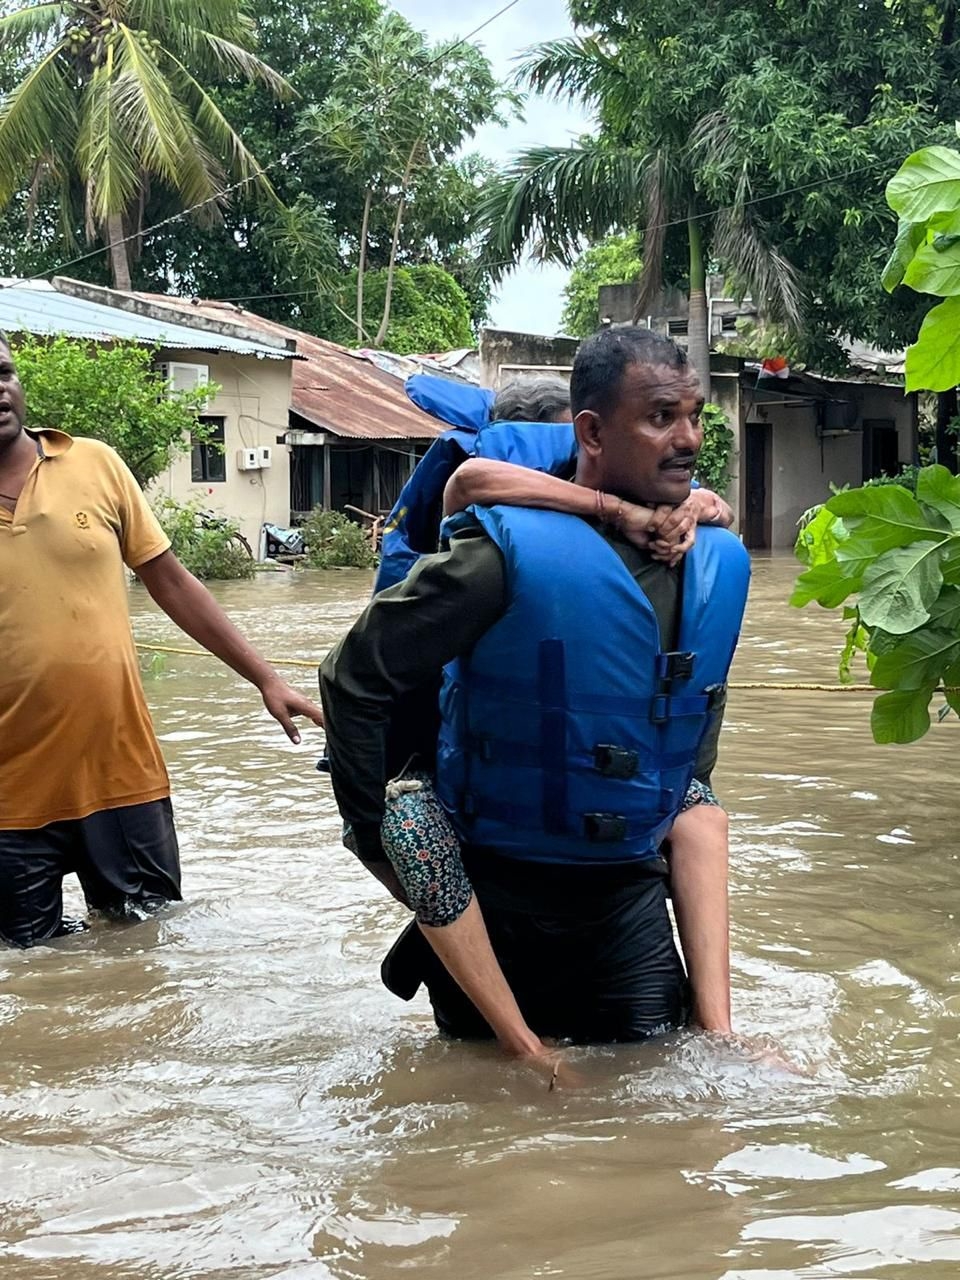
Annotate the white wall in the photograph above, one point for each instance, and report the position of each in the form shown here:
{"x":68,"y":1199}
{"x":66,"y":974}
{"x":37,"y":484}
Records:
{"x":254,"y":400}
{"x":725,"y":391}
{"x":886,"y":402}
{"x":802,"y":474}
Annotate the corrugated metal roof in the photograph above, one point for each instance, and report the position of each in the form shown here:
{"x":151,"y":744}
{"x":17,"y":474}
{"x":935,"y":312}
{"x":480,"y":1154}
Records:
{"x":334,"y":389}
{"x":40,"y":309}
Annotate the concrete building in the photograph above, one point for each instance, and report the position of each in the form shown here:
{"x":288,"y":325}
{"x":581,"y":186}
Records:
{"x":797,"y":436}
{"x":505,"y":355}
{"x":242,"y":472}
{"x":348,"y":434}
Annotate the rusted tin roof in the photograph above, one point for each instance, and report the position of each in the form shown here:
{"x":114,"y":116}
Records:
{"x":334,"y":389}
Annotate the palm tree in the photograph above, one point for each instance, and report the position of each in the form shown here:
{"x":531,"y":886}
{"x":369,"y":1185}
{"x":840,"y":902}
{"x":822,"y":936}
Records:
{"x":399,"y":109}
{"x":636,"y":174}
{"x":114,"y":96}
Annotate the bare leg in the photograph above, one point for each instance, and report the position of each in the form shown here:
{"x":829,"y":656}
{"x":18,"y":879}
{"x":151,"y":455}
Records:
{"x":698,"y":873}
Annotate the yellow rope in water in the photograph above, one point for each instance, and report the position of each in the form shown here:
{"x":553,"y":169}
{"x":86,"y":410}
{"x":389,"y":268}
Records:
{"x":734,"y":684}
{"x":202,"y":653}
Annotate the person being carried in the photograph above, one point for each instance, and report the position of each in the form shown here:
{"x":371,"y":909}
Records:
{"x":413,"y":527}
{"x":446,"y":608}
{"x":83,"y":785}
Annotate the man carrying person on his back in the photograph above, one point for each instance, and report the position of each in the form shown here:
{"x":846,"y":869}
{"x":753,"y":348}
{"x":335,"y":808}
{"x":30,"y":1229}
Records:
{"x":83,"y":787}
{"x":583,"y":692}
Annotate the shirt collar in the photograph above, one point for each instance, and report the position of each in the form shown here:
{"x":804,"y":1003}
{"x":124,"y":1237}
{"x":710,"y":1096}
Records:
{"x":51,"y":442}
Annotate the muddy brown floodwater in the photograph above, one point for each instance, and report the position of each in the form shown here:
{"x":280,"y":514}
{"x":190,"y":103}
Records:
{"x":228,"y":1091}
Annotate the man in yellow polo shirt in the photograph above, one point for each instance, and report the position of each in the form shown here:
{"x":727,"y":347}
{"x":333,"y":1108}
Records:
{"x":83,"y":786}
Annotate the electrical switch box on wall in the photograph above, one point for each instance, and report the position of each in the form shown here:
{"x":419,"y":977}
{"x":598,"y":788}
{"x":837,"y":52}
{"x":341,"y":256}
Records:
{"x":248,"y":460}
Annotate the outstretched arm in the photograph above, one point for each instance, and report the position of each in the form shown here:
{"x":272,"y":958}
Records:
{"x":191,"y":606}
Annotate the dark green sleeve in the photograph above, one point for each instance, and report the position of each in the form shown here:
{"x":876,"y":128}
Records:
{"x":403,"y":639}
{"x":707,"y":755}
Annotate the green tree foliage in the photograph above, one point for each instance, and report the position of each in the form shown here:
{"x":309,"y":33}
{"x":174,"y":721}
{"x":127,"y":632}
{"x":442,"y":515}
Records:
{"x":114,"y":394}
{"x":111,"y":100}
{"x":615,"y":260}
{"x":641,"y":172}
{"x":899,"y":556}
{"x":713,"y":461}
{"x":925,"y":193}
{"x":280,"y":255}
{"x":896,"y":549}
{"x":210,"y":547}
{"x":430,"y":312}
{"x":768,"y":128}
{"x":398,"y":111}
{"x":803,"y":109}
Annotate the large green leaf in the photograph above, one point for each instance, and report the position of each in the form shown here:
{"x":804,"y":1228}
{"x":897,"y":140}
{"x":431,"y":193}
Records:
{"x":935,"y":270}
{"x":950,"y":562}
{"x":927,"y":182}
{"x":872,"y":537}
{"x":910,"y":236}
{"x":945,"y":613}
{"x":939,"y":489}
{"x":887,"y":501}
{"x":917,"y":661}
{"x":933,"y":362}
{"x":900,"y":588}
{"x":826,"y":584}
{"x":901,"y":717}
{"x":817,"y":541}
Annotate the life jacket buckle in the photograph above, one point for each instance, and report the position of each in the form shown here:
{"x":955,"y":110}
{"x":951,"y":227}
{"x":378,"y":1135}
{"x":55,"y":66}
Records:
{"x":660,"y":708}
{"x":604,"y":828}
{"x":676,"y":665}
{"x":615,"y":762}
{"x":713,"y":694}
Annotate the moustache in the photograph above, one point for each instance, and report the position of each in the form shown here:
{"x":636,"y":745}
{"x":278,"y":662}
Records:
{"x":678,"y":460}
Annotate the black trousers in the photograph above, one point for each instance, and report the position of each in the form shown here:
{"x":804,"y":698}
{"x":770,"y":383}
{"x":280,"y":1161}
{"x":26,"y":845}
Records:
{"x":590,"y":957}
{"x":127,"y":861}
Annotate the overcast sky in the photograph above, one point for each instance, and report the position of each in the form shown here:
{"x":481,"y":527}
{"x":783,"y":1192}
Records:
{"x":529,"y":299}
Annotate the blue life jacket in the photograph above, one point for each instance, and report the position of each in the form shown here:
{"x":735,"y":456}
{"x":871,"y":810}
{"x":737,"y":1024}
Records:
{"x":457,"y":403}
{"x":568,"y":733}
{"x":413,"y":526}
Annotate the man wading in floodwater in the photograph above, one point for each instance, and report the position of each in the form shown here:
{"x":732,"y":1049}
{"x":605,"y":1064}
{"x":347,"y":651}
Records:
{"x":83,"y":786}
{"x":583,"y":693}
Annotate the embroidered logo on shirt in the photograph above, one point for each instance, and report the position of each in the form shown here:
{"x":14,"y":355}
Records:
{"x":82,"y":520}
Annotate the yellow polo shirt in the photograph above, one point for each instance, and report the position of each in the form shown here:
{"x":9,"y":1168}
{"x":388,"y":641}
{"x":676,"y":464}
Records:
{"x":75,"y":732}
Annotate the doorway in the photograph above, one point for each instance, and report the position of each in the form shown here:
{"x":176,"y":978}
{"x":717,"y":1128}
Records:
{"x":881,"y":452}
{"x":758,"y":485}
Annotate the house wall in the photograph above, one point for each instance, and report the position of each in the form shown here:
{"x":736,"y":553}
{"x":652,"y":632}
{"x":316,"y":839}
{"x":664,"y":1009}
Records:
{"x":254,"y":400}
{"x":505,"y":355}
{"x":803,"y":466}
{"x":725,"y":389}
{"x":886,"y":402}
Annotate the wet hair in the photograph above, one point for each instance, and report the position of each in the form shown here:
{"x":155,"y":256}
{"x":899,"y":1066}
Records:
{"x":531,"y":400}
{"x":602,"y":360}
{"x":5,"y":341}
